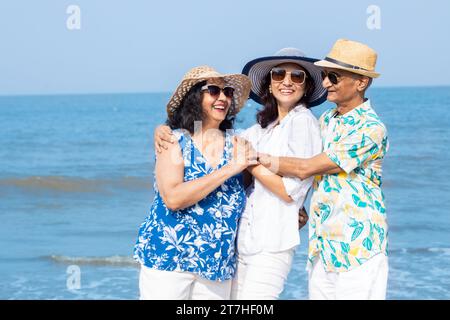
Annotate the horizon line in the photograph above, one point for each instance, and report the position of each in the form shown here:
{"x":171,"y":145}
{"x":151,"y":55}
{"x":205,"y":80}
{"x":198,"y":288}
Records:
{"x":169,"y":92}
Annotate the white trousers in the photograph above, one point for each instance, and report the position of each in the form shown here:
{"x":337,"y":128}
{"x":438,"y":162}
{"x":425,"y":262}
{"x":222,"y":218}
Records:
{"x":261,"y":276}
{"x":365,"y":282}
{"x":172,"y":285}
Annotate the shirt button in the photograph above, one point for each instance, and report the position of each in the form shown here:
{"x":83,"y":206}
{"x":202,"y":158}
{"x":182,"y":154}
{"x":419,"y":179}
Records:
{"x":219,"y":194}
{"x":217,"y":255}
{"x":218,"y":214}
{"x":217,"y":235}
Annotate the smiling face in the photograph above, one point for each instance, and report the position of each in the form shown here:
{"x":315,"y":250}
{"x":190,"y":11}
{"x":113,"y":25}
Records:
{"x":349,"y":85}
{"x":286,"y":92}
{"x":215,"y":108}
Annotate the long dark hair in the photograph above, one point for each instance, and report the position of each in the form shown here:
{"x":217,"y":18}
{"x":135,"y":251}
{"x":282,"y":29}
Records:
{"x":190,"y":110}
{"x":269,"y":112}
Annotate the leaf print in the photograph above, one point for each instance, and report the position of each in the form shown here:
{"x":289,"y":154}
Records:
{"x":324,"y":212}
{"x":345,"y":247}
{"x":357,"y":200}
{"x":178,"y":227}
{"x":331,"y":246}
{"x":334,"y":159}
{"x":335,"y":261}
{"x":353,"y":151}
{"x":357,"y":232}
{"x":353,"y":224}
{"x":171,"y":237}
{"x":367,"y":243}
{"x":380,"y":232}
{"x":349,"y":120}
{"x":347,"y":260}
{"x":379,"y":207}
{"x":336,"y":182}
{"x":198,"y":210}
{"x":351,"y":185}
{"x":366,"y":189}
{"x":326,"y":186}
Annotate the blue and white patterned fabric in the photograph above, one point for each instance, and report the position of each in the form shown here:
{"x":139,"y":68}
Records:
{"x":200,"y":238}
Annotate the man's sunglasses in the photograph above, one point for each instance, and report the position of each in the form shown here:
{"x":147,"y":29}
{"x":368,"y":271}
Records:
{"x":332,"y":76}
{"x":297,"y":76}
{"x":214,"y":90}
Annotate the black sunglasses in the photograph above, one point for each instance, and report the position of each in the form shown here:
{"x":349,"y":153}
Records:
{"x":297,"y":76}
{"x":332,"y":76}
{"x":214,"y":90}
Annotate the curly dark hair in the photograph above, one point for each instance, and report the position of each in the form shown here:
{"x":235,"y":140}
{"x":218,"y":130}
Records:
{"x":269,"y":112}
{"x":190,"y":110}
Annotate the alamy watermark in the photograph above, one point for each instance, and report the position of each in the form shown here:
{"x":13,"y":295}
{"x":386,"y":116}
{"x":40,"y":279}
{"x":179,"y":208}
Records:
{"x":374,"y":20}
{"x":73,"y":277}
{"x":73,"y":21}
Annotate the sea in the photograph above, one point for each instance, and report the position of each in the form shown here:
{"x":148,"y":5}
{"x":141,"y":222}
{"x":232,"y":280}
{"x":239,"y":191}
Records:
{"x":76,"y":177}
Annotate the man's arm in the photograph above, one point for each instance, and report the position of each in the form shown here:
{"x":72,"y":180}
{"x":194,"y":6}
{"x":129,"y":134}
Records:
{"x":298,"y":167}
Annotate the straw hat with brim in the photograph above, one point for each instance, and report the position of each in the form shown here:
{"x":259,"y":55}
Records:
{"x":352,"y":56}
{"x":258,"y":69}
{"x":239,"y":82}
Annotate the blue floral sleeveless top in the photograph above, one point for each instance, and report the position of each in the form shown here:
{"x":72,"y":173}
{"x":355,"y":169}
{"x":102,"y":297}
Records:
{"x":200,"y":238}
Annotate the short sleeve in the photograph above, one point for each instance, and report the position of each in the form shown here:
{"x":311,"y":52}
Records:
{"x":361,"y":145}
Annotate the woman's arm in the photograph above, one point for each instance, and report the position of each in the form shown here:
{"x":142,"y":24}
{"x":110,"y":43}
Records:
{"x":270,"y":181}
{"x":178,"y":194}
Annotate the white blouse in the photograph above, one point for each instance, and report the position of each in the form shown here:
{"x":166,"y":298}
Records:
{"x":268,"y":222}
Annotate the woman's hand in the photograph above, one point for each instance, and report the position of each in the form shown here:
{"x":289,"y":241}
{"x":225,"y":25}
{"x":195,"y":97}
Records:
{"x":161,"y":136}
{"x":243,"y":154}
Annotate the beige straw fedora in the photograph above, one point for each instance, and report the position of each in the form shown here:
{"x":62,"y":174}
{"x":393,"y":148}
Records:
{"x":241,"y":84}
{"x":352,"y":56}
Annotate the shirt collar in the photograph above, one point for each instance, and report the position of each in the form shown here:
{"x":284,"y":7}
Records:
{"x":353,"y":114}
{"x":289,"y":115}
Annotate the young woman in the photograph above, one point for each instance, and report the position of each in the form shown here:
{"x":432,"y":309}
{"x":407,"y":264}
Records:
{"x":187,"y":243}
{"x":287,"y":85}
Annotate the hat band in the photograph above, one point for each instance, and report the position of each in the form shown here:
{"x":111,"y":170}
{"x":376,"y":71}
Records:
{"x":343,"y":64}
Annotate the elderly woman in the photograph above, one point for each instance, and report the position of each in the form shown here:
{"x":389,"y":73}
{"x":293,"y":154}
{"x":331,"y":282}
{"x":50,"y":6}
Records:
{"x":186,"y":245}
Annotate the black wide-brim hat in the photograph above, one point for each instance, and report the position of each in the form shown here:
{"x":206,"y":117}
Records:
{"x":258,"y":69}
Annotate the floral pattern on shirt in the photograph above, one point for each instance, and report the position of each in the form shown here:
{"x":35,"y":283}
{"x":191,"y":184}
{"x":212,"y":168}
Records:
{"x":348,"y":222}
{"x":200,"y":238}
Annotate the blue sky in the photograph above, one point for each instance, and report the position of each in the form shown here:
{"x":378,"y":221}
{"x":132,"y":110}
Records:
{"x":146,"y":46}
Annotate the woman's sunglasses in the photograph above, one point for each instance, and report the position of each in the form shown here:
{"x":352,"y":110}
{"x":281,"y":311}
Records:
{"x":214,"y":90}
{"x":297,"y":76}
{"x":332,"y":76}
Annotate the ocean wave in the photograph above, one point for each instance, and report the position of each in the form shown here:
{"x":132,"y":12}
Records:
{"x":76,"y":184}
{"x":97,"y":261}
{"x":441,"y":251}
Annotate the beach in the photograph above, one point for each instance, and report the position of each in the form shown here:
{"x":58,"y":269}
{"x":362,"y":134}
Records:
{"x":76,"y":181}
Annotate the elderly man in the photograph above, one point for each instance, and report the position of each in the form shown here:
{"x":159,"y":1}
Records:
{"x":348,"y":229}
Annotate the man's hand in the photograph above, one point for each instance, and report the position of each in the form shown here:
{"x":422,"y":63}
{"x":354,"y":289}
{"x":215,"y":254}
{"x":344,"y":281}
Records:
{"x":161,"y":137}
{"x":302,"y":218}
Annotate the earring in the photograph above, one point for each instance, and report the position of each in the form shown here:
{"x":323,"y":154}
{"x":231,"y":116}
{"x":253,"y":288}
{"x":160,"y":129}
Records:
{"x":270,"y":89}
